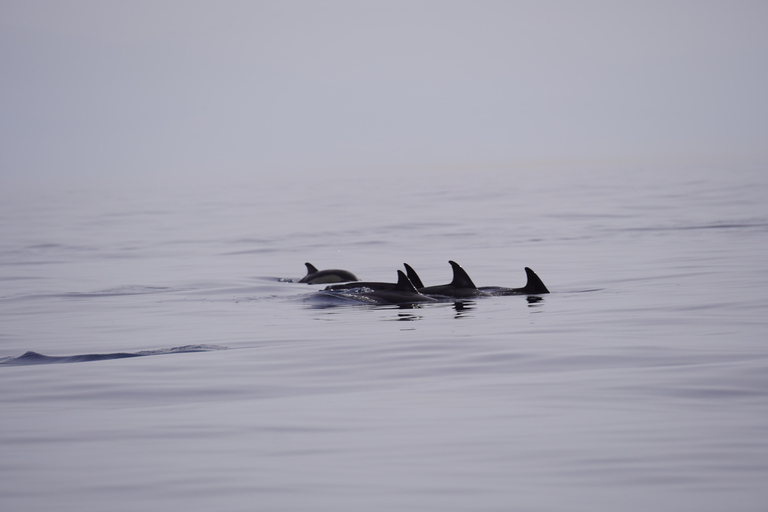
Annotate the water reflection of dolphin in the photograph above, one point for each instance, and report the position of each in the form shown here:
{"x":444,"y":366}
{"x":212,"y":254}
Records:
{"x":315,"y":276}
{"x":462,"y":286}
{"x":402,"y":292}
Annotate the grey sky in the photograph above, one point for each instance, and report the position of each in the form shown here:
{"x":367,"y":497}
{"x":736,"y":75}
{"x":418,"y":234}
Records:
{"x":178,"y":86}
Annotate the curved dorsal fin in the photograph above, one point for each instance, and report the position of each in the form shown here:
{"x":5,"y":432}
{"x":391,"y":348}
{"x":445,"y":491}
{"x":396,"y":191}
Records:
{"x":534,"y":284}
{"x":404,"y":284}
{"x":310,"y":268}
{"x":413,"y":276}
{"x":460,"y":277}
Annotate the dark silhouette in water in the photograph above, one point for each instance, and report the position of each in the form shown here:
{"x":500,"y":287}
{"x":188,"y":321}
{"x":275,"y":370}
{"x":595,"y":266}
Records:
{"x":315,"y":276}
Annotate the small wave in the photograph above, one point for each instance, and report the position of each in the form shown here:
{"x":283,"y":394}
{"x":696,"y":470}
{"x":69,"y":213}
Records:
{"x":119,"y":291}
{"x":32,"y":358}
{"x":263,"y":250}
{"x":724,"y":225}
{"x":182,"y":349}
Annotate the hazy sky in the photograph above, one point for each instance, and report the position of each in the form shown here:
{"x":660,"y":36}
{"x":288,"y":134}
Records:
{"x":181,"y":86}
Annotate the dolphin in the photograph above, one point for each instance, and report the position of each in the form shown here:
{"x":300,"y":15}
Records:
{"x":315,"y":276}
{"x":534,"y":286}
{"x":462,"y":285}
{"x":401,"y":293}
{"x":375,"y":285}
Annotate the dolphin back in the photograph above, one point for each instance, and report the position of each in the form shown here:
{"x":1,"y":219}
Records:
{"x":315,"y":276}
{"x":460,"y":277}
{"x":413,"y":276}
{"x":534,"y":285}
{"x":404,"y":284}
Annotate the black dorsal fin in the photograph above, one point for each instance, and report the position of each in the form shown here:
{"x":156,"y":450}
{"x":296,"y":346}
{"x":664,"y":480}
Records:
{"x":404,"y":284}
{"x":413,"y":276}
{"x":534,"y":284}
{"x":460,"y":277}
{"x":310,"y":268}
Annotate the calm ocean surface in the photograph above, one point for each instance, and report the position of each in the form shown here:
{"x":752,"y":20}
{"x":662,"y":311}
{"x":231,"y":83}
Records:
{"x":640,"y":383}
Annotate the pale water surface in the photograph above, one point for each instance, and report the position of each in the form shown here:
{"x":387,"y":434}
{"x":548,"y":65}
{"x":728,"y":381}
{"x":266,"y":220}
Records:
{"x":640,"y":383}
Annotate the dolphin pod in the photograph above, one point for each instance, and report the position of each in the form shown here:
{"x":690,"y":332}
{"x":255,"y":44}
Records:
{"x":460,"y":287}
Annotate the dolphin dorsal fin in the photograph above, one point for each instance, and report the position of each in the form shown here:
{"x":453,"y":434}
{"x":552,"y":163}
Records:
{"x":310,"y":268}
{"x":404,"y":284}
{"x":534,"y":284}
{"x":460,"y":277}
{"x":413,"y":276}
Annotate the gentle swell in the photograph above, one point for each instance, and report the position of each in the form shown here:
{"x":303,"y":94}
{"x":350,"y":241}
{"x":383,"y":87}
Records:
{"x":30,"y":357}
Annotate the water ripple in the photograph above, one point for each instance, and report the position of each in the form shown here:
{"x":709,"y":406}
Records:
{"x":34,"y":358}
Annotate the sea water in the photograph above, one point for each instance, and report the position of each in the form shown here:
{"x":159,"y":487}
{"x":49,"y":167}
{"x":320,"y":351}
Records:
{"x":157,"y":353}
